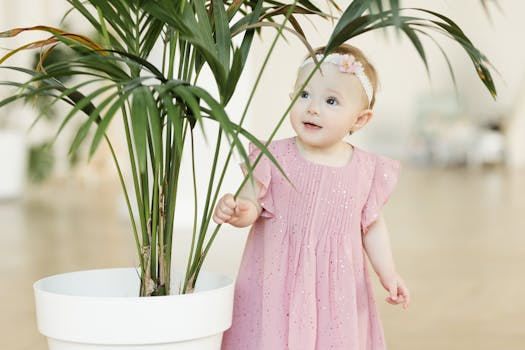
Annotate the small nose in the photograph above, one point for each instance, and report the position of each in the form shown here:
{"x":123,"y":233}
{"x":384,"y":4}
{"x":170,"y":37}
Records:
{"x":312,"y":108}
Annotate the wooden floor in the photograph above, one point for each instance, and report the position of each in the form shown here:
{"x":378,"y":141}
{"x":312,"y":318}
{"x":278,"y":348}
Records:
{"x":458,"y":238}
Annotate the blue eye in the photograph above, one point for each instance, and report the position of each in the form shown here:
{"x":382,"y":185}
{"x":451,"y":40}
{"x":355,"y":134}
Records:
{"x":331,"y":101}
{"x":304,"y":94}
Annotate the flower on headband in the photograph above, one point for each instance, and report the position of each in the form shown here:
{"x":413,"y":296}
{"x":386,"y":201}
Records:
{"x":348,"y":64}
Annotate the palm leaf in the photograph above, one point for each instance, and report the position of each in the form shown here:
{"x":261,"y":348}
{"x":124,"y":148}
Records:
{"x":94,"y":117}
{"x":159,"y":105}
{"x":241,"y":54}
{"x":186,"y":26}
{"x":100,"y":27}
{"x":351,"y":26}
{"x":222,"y":34}
{"x":412,"y":36}
{"x":79,"y":39}
{"x":139,"y":122}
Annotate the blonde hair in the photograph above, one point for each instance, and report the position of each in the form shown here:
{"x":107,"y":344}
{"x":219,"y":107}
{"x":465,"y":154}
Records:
{"x":370,"y":71}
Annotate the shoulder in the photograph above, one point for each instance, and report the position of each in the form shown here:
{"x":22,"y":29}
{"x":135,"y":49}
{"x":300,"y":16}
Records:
{"x":276,"y":147}
{"x":373,"y":162}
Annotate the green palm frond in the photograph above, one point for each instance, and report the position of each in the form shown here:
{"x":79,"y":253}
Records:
{"x":354,"y":22}
{"x":160,"y":104}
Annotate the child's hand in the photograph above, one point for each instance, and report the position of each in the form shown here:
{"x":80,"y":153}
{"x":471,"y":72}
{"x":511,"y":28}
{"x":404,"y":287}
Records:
{"x":397,"y":289}
{"x":230,"y":210}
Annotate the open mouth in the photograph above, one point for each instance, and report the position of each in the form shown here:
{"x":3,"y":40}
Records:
{"x":311,"y":126}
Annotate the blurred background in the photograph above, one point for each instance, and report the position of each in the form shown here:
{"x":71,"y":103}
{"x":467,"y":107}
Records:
{"x":456,"y":219}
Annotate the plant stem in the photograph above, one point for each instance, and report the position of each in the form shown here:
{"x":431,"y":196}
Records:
{"x":128,"y":203}
{"x":198,"y":261}
{"x":195,"y":211}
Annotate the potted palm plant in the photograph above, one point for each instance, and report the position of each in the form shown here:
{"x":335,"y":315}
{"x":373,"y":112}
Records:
{"x":160,"y":107}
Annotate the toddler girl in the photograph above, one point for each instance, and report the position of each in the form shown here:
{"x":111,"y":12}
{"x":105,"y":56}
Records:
{"x":303,"y":282}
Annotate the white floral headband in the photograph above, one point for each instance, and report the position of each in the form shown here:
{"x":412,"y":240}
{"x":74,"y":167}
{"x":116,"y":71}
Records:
{"x":347,"y":64}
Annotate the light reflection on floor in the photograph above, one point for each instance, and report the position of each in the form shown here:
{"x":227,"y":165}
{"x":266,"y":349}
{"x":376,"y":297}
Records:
{"x":458,"y":238}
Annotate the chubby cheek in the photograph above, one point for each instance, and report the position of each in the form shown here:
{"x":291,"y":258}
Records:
{"x":294,"y":121}
{"x":345,"y":122}
{"x":296,"y":115}
{"x":338,"y":125}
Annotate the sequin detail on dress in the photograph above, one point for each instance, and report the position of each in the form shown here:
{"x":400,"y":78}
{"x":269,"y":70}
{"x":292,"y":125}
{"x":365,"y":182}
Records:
{"x":303,"y":282}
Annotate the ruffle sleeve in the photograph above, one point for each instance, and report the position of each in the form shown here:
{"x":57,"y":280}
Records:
{"x":384,"y":180}
{"x":263,"y":175}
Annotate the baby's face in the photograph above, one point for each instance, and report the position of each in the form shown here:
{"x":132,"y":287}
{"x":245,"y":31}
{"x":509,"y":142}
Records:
{"x":328,"y":107}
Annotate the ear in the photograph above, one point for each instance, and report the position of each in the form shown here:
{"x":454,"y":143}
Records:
{"x":362,"y":119}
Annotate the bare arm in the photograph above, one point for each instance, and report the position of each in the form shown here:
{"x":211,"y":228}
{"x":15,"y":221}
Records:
{"x":377,"y":246}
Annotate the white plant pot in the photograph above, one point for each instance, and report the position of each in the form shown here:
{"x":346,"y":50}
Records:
{"x":100,"y":310}
{"x":13,"y":163}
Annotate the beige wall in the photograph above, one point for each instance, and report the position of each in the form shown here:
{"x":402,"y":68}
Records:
{"x":28,"y":13}
{"x":402,"y":74}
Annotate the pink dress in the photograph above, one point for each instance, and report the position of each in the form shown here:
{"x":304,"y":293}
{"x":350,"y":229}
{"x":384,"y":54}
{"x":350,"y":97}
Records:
{"x":303,"y":282}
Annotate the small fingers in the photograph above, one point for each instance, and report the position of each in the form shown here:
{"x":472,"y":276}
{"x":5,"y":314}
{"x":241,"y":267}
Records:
{"x":399,"y":300}
{"x":224,"y":209}
{"x":228,"y":206}
{"x":243,"y":205}
{"x":405,"y":294}
{"x":220,"y":218}
{"x":393,"y":291}
{"x":402,"y":296}
{"x":217,"y":220}
{"x":227,"y":210}
{"x":228,"y":201}
{"x":390,"y":301}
